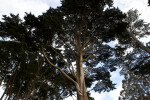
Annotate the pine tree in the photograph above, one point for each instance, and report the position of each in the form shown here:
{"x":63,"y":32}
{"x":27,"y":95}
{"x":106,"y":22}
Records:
{"x":136,"y":60}
{"x":73,"y":40}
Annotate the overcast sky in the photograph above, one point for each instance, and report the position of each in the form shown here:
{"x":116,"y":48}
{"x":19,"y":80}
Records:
{"x":39,"y":6}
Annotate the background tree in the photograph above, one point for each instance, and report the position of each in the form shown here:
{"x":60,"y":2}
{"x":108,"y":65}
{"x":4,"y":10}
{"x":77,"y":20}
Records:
{"x":135,"y":87}
{"x":76,"y":32}
{"x":23,"y":69}
{"x":87,"y":29}
{"x":136,"y":67}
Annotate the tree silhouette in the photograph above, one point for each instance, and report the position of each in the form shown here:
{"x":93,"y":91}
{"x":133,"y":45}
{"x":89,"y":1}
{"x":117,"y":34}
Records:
{"x":49,"y":45}
{"x":136,"y":67}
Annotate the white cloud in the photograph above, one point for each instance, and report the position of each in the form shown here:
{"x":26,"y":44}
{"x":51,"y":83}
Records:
{"x":115,"y":93}
{"x":116,"y":78}
{"x":141,"y":5}
{"x":112,"y":95}
{"x":22,"y":6}
{"x":98,"y":96}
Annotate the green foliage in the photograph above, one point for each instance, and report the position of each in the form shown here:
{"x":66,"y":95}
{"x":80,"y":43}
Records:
{"x":23,"y":69}
{"x":135,"y":87}
{"x":91,"y":24}
{"x":135,"y":59}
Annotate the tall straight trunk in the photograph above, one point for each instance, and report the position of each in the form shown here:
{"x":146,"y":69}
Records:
{"x":82,"y":86}
{"x":80,"y":70}
{"x":81,"y":79}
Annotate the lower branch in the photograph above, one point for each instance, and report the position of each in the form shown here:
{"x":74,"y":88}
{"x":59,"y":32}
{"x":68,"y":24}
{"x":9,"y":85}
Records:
{"x":68,"y":77}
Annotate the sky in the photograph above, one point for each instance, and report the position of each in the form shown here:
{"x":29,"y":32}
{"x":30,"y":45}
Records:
{"x":37,"y":7}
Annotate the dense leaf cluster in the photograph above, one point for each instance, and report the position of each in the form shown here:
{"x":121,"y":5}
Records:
{"x":136,"y":60}
{"x":76,"y":27}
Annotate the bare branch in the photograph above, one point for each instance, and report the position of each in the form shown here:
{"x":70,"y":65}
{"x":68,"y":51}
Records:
{"x":90,"y":47}
{"x":87,"y":57}
{"x":65,"y":62}
{"x":74,"y":56}
{"x":68,"y":77}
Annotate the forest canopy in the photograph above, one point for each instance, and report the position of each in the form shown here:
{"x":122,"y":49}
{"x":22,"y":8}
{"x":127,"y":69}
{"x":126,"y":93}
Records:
{"x":65,"y":50}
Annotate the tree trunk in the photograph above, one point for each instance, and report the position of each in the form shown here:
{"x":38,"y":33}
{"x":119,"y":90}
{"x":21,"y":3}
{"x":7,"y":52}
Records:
{"x":82,"y":86}
{"x":81,"y":79}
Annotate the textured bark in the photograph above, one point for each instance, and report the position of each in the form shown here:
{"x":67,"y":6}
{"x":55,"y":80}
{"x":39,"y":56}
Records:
{"x":80,"y":74}
{"x":82,"y":86}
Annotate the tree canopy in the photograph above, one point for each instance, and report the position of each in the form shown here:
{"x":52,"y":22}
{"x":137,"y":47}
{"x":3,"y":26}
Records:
{"x":65,"y":50}
{"x":136,"y":60}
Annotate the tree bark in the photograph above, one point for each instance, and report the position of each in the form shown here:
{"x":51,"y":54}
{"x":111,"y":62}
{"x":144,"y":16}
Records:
{"x":81,"y":78}
{"x":80,"y":70}
{"x":82,"y":86}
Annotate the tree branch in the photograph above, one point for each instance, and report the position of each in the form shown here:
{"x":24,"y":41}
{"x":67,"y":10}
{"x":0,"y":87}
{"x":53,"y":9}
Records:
{"x":65,"y":62}
{"x":73,"y":55}
{"x":85,"y":30}
{"x":88,"y":57}
{"x":68,"y":77}
{"x":90,"y":47}
{"x":86,"y":42}
{"x":140,"y":44}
